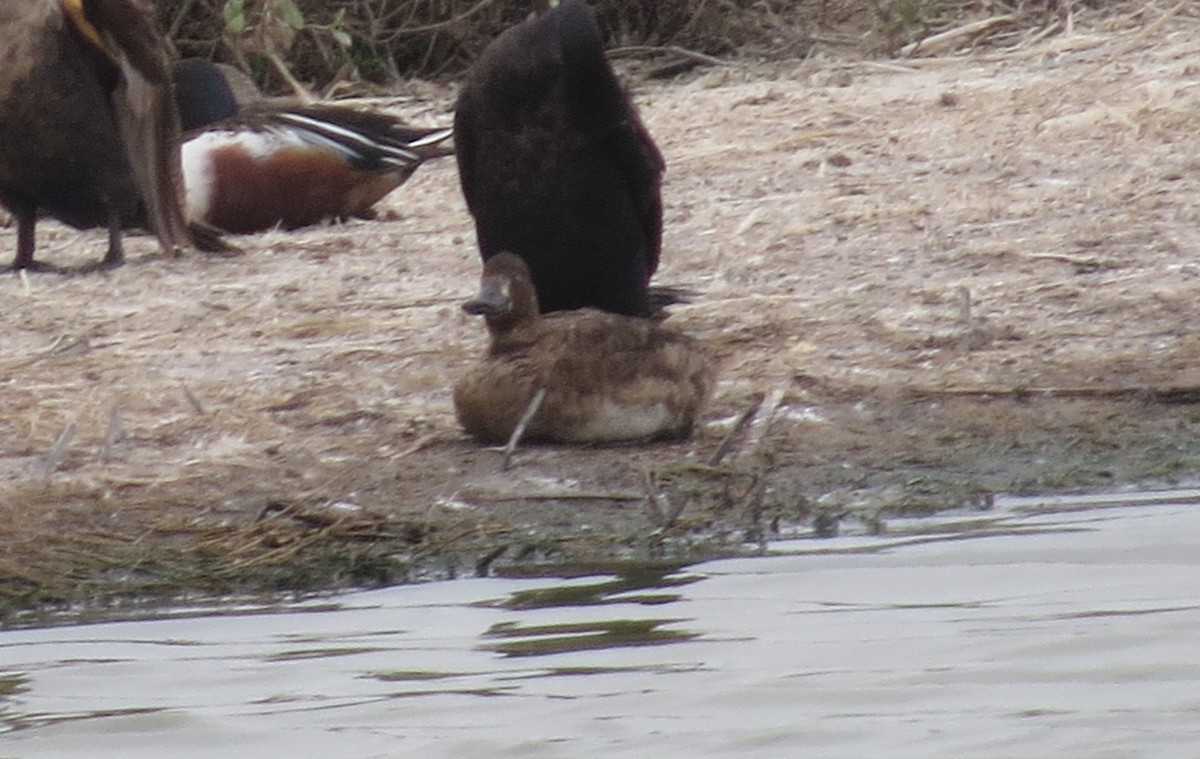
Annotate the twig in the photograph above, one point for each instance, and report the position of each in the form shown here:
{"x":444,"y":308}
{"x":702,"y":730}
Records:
{"x":749,"y":221}
{"x":766,"y":416}
{"x":949,"y":40}
{"x":754,"y":512}
{"x":447,"y":23}
{"x":419,"y":444}
{"x":184,"y":9}
{"x":558,"y":495}
{"x":653,"y":499}
{"x":76,"y":346}
{"x":618,"y":52}
{"x":197,"y":406}
{"x":1038,"y":36}
{"x":1079,"y":262}
{"x":484,"y":564}
{"x":735,"y":431}
{"x":113,"y":434}
{"x":297,"y":87}
{"x":54,"y":457}
{"x":517,"y":433}
{"x":665,"y":517}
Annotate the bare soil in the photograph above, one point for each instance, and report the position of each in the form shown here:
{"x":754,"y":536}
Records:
{"x":956,"y":276}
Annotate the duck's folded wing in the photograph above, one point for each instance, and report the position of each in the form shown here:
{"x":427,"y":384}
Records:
{"x":144,"y":108}
{"x":368,"y":141}
{"x":597,"y":348}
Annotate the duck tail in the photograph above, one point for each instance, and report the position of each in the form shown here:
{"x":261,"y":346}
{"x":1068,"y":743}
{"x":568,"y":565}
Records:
{"x":427,"y":143}
{"x":659,"y":297}
{"x":367,"y":139}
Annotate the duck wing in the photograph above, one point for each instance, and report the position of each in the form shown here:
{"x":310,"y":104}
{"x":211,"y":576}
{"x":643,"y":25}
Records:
{"x":143,"y":106}
{"x":591,"y":350}
{"x":368,"y":141}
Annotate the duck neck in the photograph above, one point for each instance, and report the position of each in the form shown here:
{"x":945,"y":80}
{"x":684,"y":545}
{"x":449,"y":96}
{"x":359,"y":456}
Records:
{"x":510,"y":333}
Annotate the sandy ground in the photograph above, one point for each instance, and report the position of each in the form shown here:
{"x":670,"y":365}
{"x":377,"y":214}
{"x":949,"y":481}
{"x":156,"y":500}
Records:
{"x":956,"y":275}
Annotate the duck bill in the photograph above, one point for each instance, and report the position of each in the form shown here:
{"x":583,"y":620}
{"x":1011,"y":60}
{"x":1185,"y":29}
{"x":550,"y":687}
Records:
{"x":492,"y":299}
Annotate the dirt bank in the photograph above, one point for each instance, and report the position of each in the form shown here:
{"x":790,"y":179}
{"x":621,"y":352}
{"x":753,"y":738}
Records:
{"x":957,"y":276}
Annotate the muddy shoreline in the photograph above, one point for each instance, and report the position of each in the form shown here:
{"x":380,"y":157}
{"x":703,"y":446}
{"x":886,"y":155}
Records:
{"x":949,"y":277}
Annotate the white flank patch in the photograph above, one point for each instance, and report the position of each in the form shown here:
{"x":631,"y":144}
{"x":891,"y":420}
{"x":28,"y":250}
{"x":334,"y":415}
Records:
{"x":616,"y":422}
{"x":197,"y":177}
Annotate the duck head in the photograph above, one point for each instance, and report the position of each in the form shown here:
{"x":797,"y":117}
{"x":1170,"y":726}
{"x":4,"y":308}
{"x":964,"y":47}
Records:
{"x":202,"y":93}
{"x":506,"y":299}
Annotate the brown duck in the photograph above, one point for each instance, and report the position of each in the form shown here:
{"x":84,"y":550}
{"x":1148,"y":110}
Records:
{"x":556,"y":166}
{"x":607,"y":377}
{"x":88,"y":129}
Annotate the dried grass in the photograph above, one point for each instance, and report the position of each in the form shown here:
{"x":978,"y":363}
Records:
{"x":438,"y":38}
{"x":833,"y":214}
{"x":394,"y":40}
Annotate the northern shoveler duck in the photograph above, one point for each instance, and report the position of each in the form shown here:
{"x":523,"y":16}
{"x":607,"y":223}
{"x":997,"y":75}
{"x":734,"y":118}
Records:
{"x":606,"y":377}
{"x":88,"y":130}
{"x":557,"y":167}
{"x":253,"y":166}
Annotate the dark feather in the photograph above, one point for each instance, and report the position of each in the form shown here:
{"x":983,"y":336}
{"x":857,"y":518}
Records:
{"x":556,"y":166}
{"x":88,"y":130}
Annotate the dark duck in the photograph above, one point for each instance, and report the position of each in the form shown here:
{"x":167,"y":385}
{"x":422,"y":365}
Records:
{"x":557,"y":167}
{"x":267,"y":163}
{"x":88,"y":129}
{"x":603,"y":377}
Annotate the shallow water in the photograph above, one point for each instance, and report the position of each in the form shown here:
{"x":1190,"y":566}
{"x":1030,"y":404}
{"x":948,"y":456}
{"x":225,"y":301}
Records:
{"x":1008,"y":633}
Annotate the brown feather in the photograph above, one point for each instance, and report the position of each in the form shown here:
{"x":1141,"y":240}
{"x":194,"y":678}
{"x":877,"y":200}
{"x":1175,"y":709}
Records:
{"x":608,"y":377}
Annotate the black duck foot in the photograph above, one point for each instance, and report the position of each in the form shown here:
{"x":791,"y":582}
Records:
{"x":36,"y":267}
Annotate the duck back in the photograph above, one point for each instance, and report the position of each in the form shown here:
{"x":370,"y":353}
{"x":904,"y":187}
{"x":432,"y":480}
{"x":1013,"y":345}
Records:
{"x":607,"y":378}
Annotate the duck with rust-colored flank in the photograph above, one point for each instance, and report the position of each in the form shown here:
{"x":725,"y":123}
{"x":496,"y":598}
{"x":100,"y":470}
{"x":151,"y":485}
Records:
{"x":607,"y":377}
{"x":254,"y":166}
{"x":556,"y":166}
{"x":88,"y":129}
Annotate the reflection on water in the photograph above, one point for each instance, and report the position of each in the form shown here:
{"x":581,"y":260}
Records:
{"x":637,"y":584}
{"x":1068,"y":633}
{"x":538,"y":640}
